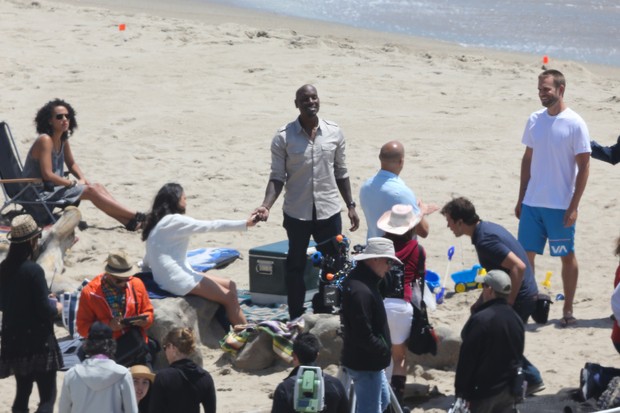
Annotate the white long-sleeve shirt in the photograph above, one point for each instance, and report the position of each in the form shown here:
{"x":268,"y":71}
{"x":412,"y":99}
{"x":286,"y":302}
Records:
{"x":166,"y":250}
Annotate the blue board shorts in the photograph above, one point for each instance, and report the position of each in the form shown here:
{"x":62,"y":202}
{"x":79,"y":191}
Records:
{"x":538,"y":224}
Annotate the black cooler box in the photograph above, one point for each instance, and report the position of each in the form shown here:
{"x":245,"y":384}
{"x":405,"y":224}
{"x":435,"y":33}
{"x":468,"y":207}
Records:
{"x":268,"y":272}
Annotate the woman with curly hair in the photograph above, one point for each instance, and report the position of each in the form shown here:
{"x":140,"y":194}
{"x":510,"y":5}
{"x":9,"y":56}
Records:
{"x":51,"y":151}
{"x":183,"y":386}
{"x":167,"y":231}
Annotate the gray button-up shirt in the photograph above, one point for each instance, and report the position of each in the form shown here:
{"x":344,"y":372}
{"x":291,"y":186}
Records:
{"x":309,"y":169}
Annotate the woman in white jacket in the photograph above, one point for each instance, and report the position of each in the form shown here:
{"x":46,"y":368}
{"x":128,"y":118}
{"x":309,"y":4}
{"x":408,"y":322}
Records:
{"x":98,"y":384}
{"x":167,"y":231}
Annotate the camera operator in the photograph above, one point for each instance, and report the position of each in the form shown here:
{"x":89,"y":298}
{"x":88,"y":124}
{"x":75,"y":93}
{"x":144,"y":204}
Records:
{"x":366,"y":349}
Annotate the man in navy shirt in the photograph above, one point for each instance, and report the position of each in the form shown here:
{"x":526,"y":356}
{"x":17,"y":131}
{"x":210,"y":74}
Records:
{"x":498,"y":249}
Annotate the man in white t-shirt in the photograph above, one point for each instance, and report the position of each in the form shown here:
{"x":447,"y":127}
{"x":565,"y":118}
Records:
{"x":554,"y":173}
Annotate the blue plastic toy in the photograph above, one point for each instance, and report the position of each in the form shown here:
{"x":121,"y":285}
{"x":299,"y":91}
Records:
{"x":465,"y":280}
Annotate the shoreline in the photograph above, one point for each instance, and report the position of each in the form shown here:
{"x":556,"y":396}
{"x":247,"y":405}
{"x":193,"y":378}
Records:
{"x":211,"y":12}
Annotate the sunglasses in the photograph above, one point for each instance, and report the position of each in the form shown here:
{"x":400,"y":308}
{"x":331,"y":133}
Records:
{"x":61,"y":116}
{"x":117,"y":280}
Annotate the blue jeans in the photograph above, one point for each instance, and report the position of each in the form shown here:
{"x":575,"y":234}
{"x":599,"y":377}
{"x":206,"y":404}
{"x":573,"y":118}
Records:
{"x":371,"y":390}
{"x":299,"y":233}
{"x":525,"y":308}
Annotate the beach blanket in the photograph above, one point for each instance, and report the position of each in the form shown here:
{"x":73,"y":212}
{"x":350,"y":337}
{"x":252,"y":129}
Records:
{"x":256,"y":313}
{"x":282,"y":337}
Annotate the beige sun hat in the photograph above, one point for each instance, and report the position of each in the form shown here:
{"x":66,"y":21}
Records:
{"x":378,"y":248}
{"x":118,"y":265}
{"x":23,"y":228}
{"x":398,"y":220}
{"x":140,"y":371}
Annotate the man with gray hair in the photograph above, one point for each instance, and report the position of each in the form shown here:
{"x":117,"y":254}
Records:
{"x":492,"y":349}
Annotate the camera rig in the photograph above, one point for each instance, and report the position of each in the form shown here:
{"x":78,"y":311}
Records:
{"x":332,"y":259}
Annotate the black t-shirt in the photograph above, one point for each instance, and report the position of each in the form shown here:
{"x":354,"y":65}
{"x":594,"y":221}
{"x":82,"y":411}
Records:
{"x":493,"y":244}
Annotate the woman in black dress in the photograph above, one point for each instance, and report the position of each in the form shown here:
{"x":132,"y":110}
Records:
{"x":183,"y":386}
{"x":29,"y":348}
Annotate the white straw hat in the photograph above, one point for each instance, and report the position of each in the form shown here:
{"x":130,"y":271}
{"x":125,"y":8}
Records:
{"x":399,"y":220}
{"x":378,"y":248}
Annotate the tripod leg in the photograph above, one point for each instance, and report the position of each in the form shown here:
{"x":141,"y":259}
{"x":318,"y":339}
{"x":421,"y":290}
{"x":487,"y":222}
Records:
{"x":394,"y":403}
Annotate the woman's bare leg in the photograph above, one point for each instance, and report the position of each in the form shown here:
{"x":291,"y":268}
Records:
{"x":103,"y":200}
{"x":222,"y":291}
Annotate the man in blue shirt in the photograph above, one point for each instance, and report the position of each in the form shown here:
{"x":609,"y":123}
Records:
{"x":498,"y":249}
{"x":386,"y":189}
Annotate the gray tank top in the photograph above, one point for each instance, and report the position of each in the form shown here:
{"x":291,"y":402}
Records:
{"x":32,"y":169}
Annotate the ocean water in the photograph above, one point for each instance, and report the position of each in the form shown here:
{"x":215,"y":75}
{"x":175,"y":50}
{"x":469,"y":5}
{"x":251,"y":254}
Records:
{"x":582,"y":30}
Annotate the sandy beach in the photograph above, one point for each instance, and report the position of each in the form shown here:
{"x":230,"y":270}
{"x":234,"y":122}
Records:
{"x":195,"y":94}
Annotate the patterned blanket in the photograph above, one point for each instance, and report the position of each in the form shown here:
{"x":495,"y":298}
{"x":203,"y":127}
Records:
{"x":282,"y":335}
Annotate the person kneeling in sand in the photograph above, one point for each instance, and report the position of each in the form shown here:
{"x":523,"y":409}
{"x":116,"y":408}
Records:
{"x":98,"y":384}
{"x":167,"y":231}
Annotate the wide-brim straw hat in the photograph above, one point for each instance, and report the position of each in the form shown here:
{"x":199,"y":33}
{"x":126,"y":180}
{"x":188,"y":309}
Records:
{"x":398,"y":220}
{"x":378,"y":248}
{"x":23,"y":228}
{"x":118,"y":265}
{"x":140,"y":371}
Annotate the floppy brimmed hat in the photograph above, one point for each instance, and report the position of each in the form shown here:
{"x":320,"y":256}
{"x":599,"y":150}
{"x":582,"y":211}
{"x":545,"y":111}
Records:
{"x":378,"y":248}
{"x":498,"y":280}
{"x":142,"y":372}
{"x":23,"y":228}
{"x":399,"y":219}
{"x":118,"y":265}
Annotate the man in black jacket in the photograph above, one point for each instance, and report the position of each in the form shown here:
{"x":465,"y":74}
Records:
{"x":492,"y":349}
{"x":366,"y":348}
{"x":305,"y":351}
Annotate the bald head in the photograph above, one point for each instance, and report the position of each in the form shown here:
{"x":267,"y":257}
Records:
{"x":392,"y":157}
{"x":308,"y":102}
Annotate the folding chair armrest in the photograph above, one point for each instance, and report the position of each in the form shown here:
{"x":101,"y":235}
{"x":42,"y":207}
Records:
{"x":21,"y":181}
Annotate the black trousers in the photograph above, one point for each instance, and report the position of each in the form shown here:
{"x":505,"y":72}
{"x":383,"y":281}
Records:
{"x":46,"y":384}
{"x":299,"y":233}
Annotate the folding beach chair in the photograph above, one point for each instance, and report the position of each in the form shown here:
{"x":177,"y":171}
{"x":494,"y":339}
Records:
{"x":15,"y":186}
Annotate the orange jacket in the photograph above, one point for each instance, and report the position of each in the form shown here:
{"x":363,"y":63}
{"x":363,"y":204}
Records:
{"x":94,"y":307}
